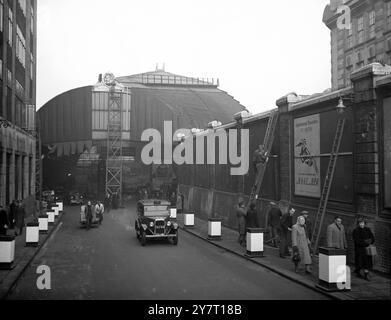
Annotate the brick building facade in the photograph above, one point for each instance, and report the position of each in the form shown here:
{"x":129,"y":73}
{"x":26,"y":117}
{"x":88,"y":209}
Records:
{"x":368,"y":40}
{"x":18,"y":47}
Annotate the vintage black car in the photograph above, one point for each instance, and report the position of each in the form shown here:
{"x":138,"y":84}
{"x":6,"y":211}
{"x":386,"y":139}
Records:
{"x":154,"y":222}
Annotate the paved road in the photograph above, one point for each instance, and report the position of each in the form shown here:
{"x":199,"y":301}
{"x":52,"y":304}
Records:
{"x":109,"y":263}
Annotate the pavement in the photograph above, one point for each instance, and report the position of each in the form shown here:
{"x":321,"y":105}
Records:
{"x":24,"y":256}
{"x":108,"y":263}
{"x":379,"y":288}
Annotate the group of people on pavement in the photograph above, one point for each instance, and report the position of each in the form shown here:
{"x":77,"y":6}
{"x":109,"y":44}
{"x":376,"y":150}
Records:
{"x":280,"y":222}
{"x":13,"y":218}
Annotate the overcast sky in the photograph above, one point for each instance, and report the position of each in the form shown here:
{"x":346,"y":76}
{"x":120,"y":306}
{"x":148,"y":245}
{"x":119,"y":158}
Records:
{"x":260,"y":50}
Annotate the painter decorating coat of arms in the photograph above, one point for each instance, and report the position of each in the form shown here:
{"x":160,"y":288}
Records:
{"x":307,"y":156}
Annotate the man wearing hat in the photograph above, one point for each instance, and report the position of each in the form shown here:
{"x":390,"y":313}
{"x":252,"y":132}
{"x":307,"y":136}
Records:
{"x":336,"y":236}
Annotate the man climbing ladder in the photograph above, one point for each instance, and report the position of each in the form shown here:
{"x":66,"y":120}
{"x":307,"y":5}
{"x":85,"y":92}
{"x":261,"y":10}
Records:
{"x":261,"y":156}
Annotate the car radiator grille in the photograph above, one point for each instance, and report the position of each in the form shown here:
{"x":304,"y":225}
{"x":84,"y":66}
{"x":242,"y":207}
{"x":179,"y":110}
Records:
{"x":160,"y":225}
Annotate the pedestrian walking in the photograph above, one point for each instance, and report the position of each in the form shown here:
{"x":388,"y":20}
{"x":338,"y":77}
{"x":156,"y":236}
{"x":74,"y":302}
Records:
{"x":336,"y":236}
{"x":252,"y":217}
{"x":173,"y":199}
{"x":88,"y":213}
{"x":4,"y":223}
{"x":285,"y":227}
{"x":180,"y":202}
{"x":99,"y":211}
{"x":363,"y":240}
{"x":19,"y":218}
{"x":12,"y":214}
{"x":107,"y":203}
{"x":241,"y":215}
{"x":274,"y":221}
{"x":301,"y":243}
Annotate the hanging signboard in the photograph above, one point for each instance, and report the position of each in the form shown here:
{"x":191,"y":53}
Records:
{"x":307,"y":152}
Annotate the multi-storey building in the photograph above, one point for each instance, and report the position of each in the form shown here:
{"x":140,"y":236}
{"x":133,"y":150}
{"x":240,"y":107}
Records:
{"x":18,"y":47}
{"x":368,"y":40}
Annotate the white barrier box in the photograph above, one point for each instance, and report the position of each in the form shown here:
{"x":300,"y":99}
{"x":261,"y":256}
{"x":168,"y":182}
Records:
{"x":188,"y":220}
{"x":7,"y":252}
{"x":51,"y":217}
{"x":60,"y":206}
{"x":214,"y":229}
{"x":173,"y":212}
{"x":56,"y":211}
{"x":43,"y":224}
{"x":32,"y":234}
{"x":333,"y":272}
{"x":255,"y":238}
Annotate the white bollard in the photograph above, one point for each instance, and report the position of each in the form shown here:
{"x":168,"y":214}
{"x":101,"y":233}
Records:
{"x":255,"y":238}
{"x":214,"y":229}
{"x":43,"y":224}
{"x":32,"y":235}
{"x":189,"y":220}
{"x":334,"y":275}
{"x":7,"y":252}
{"x":60,"y":206}
{"x":173,"y":212}
{"x":51,"y":217}
{"x":56,"y":212}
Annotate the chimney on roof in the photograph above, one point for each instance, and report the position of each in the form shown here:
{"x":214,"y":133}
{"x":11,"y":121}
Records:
{"x":100,"y":78}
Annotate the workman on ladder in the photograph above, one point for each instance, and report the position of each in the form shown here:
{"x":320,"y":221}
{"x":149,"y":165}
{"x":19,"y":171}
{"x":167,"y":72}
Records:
{"x":261,"y":156}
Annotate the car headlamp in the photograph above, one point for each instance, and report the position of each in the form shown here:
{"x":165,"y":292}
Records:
{"x":151,"y":224}
{"x":169,"y":224}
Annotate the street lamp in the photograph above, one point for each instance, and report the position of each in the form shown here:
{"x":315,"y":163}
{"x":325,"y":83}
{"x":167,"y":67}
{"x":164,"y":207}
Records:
{"x":341,"y":106}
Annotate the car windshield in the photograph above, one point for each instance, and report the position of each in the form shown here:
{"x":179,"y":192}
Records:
{"x":156,"y":211}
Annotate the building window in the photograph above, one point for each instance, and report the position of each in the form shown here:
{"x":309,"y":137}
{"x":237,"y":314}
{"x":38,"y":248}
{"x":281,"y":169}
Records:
{"x":10,"y":26}
{"x":19,"y":89}
{"x":360,"y":30}
{"x":9,"y":78}
{"x":372,"y":24}
{"x":31,"y":66}
{"x":1,"y":69}
{"x":1,"y":15}
{"x":389,"y":14}
{"x":371,"y":54}
{"x":20,"y":47}
{"x":349,"y":39}
{"x":23,"y":6}
{"x":32,"y":21}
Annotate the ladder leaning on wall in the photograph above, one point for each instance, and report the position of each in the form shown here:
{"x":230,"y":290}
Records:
{"x":267,"y":144}
{"x":319,"y":219}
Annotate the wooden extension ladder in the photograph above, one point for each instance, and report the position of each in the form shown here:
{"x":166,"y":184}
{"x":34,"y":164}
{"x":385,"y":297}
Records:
{"x":268,"y":144}
{"x":327,"y":184}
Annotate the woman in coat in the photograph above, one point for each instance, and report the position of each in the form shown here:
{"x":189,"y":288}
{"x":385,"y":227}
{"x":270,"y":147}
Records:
{"x":300,"y":243}
{"x":363,"y":238}
{"x":241,"y":215}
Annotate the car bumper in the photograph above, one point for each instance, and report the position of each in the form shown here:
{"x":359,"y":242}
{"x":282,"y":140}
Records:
{"x":159,"y":236}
